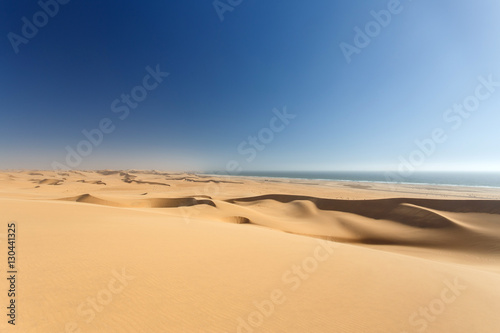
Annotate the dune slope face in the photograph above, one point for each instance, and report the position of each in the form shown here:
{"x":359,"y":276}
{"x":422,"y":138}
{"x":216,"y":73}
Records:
{"x":131,"y":251}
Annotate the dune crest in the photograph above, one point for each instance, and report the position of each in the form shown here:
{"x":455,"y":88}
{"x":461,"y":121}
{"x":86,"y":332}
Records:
{"x":149,"y":202}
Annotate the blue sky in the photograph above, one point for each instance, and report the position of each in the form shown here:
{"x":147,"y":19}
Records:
{"x":226,"y":78}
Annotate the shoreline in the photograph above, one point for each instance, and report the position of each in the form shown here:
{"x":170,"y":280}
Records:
{"x":389,"y":184}
{"x":265,"y":177}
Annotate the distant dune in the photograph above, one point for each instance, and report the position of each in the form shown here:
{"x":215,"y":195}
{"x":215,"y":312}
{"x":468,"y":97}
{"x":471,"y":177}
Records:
{"x":50,"y":181}
{"x":138,"y":251}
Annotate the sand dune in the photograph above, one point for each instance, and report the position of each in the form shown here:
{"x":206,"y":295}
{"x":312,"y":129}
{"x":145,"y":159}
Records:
{"x":249,"y":255}
{"x":377,"y":208}
{"x":50,"y":181}
{"x":151,"y":202}
{"x":95,"y":182}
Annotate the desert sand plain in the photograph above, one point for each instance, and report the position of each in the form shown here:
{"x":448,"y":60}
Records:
{"x":157,"y":252}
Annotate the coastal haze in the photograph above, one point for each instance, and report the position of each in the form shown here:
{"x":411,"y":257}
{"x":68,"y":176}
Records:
{"x":244,"y":166}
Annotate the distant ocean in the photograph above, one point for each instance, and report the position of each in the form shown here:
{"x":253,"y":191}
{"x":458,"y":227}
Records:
{"x":482,"y":179}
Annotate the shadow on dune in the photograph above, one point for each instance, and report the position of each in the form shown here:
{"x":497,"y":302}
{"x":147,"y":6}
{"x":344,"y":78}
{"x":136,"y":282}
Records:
{"x":410,"y":211}
{"x":394,"y":221}
{"x":48,"y":181}
{"x":146,"y":203}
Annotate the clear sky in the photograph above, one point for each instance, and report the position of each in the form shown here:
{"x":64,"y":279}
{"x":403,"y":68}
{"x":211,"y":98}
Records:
{"x":297,"y":77}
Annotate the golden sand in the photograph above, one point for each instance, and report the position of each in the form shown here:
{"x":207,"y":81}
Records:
{"x":153,"y":252}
